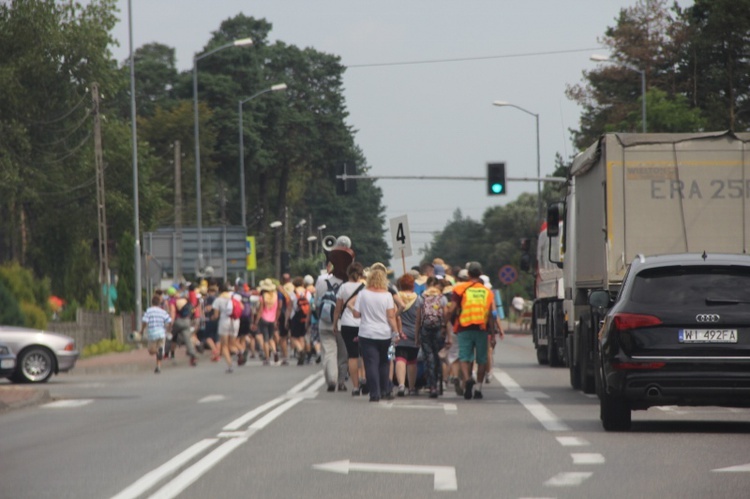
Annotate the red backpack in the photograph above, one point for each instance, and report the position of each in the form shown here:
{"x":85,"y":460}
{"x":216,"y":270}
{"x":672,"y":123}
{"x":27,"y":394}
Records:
{"x":237,"y":308}
{"x":303,"y":304}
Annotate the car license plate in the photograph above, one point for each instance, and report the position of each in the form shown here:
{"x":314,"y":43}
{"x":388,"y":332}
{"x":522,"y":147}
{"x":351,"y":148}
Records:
{"x":708,"y":336}
{"x":7,"y":363}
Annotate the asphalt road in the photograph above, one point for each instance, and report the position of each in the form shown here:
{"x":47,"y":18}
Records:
{"x":274,"y":432}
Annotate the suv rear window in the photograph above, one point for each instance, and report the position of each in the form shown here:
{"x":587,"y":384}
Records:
{"x":685,"y":285}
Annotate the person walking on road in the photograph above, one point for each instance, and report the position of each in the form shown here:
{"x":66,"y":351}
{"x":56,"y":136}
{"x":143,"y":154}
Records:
{"x":432,"y":331}
{"x":155,"y":324}
{"x":345,"y":324}
{"x":227,"y":332}
{"x":377,"y":309}
{"x":409,"y":340}
{"x":474,"y":303}
{"x":266,"y":319}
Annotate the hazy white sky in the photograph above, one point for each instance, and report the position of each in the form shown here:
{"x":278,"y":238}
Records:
{"x":427,"y":118}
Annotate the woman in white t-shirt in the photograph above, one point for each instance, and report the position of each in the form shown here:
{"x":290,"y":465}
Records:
{"x":377,"y":311}
{"x":345,"y":324}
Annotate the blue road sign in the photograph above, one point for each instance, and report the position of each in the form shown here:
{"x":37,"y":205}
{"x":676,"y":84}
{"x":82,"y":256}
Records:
{"x":508,"y":274}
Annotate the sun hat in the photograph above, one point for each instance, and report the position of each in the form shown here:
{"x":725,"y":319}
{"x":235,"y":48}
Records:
{"x":267,"y":285}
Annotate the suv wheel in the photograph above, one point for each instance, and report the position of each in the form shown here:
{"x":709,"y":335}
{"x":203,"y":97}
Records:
{"x":614,"y":412}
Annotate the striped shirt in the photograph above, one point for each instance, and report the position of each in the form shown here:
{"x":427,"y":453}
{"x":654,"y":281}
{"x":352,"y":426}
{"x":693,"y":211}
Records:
{"x":156,"y":320}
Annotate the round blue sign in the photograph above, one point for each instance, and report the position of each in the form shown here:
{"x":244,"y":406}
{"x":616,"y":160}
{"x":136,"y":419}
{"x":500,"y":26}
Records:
{"x":508,"y":274}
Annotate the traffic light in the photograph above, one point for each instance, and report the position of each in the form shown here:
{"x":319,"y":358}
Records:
{"x":496,"y":179}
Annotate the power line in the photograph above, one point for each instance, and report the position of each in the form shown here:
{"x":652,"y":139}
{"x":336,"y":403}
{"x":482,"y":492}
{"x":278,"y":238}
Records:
{"x":468,"y":59}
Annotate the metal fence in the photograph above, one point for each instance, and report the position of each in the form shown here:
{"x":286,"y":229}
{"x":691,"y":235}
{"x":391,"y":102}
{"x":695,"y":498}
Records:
{"x":92,"y":327}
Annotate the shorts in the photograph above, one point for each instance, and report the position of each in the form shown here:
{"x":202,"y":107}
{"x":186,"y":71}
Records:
{"x":210,"y":330}
{"x":265,"y":329}
{"x":298,"y":326}
{"x":407,"y":354}
{"x":350,"y":334}
{"x":283,"y":331}
{"x":244,"y":326}
{"x":471,"y":341}
{"x":154,"y":345}
{"x":231,"y":330}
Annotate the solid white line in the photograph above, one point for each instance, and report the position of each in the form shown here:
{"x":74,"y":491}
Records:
{"x":301,"y":385}
{"x":570,"y":479}
{"x":211,"y":398}
{"x":155,"y":476}
{"x":592,"y":458}
{"x":268,"y":418}
{"x":572,"y":441}
{"x":548,"y":419}
{"x":193,"y":473}
{"x":67,"y":404}
{"x":742,"y":468}
{"x":237,"y":423}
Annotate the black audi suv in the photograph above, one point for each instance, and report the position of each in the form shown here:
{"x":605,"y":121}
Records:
{"x":678,"y":333}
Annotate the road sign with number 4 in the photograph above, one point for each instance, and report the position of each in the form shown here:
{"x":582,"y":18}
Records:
{"x":401,"y":236}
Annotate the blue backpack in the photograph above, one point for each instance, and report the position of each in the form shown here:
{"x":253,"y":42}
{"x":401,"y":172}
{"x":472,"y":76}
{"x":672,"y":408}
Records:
{"x":327,"y":303}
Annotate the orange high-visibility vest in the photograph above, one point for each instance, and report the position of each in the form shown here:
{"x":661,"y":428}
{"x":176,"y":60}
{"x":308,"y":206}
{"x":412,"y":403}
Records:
{"x":476,"y":301}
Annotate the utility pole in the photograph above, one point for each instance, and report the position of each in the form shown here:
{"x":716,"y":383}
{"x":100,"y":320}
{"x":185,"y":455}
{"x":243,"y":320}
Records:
{"x":101,"y":211}
{"x":177,"y":211}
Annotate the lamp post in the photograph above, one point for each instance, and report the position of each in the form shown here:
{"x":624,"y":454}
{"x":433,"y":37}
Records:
{"x":604,"y":58}
{"x":199,"y":210}
{"x":501,"y":103}
{"x":134,"y":138}
{"x":274,"y":88}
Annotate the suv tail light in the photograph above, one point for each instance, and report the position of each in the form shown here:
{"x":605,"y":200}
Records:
{"x":624,"y":322}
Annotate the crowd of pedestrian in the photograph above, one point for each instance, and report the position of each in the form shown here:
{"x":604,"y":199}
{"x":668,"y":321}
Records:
{"x":434,"y":329}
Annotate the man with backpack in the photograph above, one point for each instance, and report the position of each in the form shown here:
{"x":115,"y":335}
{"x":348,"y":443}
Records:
{"x":432,"y":331}
{"x":473,"y":304}
{"x":182,"y":327}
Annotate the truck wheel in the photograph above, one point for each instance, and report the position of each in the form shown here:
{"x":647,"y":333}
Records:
{"x":575,"y":378}
{"x":553,"y":356}
{"x":614,"y":412}
{"x":541,"y":354}
{"x":555,"y":321}
{"x":587,"y":380}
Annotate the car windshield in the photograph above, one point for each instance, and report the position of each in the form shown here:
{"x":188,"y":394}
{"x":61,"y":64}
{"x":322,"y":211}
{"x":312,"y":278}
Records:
{"x":685,"y":285}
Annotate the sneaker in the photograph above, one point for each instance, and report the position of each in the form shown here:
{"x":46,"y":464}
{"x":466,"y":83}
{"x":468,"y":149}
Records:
{"x":331,"y":387}
{"x":266,"y":363}
{"x":193,"y":362}
{"x":318,"y":359}
{"x":433,"y":393}
{"x":478,"y":395}
{"x":374,"y":399}
{"x":414,"y":392}
{"x":157,"y":370}
{"x":457,"y":386}
{"x":388,"y":396}
{"x":468,"y":390}
{"x":229,"y":370}
{"x":242,"y":358}
{"x":342,"y":387}
{"x":284,"y":362}
{"x":401,"y":390}
{"x":356,"y":392}
{"x":276,"y":357}
{"x":363,"y":387}
{"x":301,"y":361}
{"x":487,"y":378}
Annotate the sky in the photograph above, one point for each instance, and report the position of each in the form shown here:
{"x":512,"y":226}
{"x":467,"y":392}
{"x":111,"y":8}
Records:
{"x":431,"y":114}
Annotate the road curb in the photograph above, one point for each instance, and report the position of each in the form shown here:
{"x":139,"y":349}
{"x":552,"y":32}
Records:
{"x":17,"y":397}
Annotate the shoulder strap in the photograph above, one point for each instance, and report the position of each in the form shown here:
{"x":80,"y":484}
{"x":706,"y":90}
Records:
{"x":359,"y":288}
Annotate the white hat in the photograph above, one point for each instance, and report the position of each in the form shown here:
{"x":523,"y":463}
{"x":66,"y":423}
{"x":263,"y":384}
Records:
{"x":308,"y":279}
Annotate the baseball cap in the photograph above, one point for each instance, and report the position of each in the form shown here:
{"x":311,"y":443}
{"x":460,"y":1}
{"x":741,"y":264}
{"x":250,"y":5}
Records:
{"x":474,"y":269}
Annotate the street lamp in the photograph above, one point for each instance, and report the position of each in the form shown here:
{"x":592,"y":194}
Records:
{"x":134,"y":138}
{"x":199,"y":221}
{"x":501,"y":103}
{"x":273,"y":88}
{"x":604,"y":58}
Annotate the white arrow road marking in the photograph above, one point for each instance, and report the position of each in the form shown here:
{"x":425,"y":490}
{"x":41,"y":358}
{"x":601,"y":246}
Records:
{"x":211,"y":398}
{"x":445,"y":476}
{"x":451,"y":409}
{"x":570,"y":479}
{"x":572,"y":441}
{"x":65,"y":404}
{"x":742,"y":468}
{"x":593,"y":458}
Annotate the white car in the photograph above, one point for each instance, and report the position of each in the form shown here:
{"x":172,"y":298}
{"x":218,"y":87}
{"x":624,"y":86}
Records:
{"x":39,"y":354}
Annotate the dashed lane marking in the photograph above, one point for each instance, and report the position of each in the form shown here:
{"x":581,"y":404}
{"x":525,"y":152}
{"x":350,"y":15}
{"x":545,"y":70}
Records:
{"x":66,"y":404}
{"x":572,"y":441}
{"x":568,"y":479}
{"x":590,"y":458}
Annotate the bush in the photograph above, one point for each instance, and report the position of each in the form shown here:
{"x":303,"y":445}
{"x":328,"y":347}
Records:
{"x":10,"y":313}
{"x":33,"y":316}
{"x":103,"y":347}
